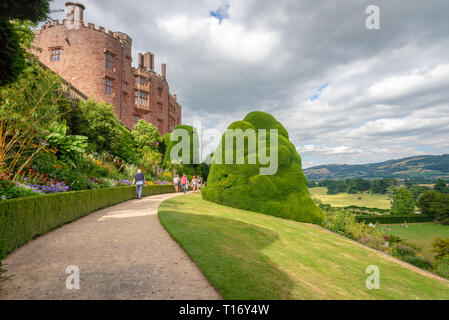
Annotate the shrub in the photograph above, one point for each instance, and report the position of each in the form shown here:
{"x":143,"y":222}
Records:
{"x":2,"y":269}
{"x":283,"y":194}
{"x":23,"y":219}
{"x":442,"y":267}
{"x":418,"y":262}
{"x":441,"y":248}
{"x":402,"y":250}
{"x":387,"y":219}
{"x":343,"y":222}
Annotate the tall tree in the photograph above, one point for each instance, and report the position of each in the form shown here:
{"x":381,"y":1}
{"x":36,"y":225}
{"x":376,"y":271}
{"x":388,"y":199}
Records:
{"x":16,"y":18}
{"x":403,"y":202}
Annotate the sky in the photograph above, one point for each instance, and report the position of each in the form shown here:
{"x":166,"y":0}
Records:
{"x":345,"y":93}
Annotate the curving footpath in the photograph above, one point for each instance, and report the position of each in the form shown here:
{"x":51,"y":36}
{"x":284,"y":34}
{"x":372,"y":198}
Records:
{"x":122,"y":252}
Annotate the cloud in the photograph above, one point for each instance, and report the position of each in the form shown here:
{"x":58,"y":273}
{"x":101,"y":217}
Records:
{"x":387,"y":91}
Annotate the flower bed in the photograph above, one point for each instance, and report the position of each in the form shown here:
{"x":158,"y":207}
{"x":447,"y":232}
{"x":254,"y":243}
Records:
{"x":26,"y":218}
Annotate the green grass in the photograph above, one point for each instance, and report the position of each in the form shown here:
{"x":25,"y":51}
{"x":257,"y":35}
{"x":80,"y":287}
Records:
{"x":368,"y":200}
{"x":422,"y":234}
{"x":247,"y":255}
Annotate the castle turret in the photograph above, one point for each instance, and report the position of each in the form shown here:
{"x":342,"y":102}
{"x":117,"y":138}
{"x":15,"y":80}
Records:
{"x":75,"y":15}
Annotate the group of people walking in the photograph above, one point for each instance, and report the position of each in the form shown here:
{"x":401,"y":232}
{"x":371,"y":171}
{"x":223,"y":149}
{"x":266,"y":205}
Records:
{"x":184,"y":183}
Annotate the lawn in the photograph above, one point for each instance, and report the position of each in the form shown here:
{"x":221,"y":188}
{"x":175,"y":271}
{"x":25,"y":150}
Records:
{"x":247,"y":255}
{"x":368,"y":200}
{"x":422,"y":234}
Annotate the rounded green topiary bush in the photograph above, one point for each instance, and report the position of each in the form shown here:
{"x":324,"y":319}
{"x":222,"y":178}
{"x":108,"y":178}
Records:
{"x":283,"y":194}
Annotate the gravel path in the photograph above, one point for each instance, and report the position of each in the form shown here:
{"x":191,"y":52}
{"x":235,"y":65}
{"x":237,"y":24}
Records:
{"x":122,"y":252}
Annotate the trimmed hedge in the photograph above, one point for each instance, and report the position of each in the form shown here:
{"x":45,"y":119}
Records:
{"x":283,"y":194}
{"x":394,"y":218}
{"x":23,"y":219}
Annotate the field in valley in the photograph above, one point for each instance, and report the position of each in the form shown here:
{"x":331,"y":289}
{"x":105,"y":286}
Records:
{"x":422,"y":234}
{"x":368,"y":200}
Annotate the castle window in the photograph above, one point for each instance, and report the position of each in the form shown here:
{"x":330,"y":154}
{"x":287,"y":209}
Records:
{"x":143,"y":98}
{"x":136,"y":97}
{"x":137,"y":80}
{"x":109,"y":61}
{"x":108,"y":87}
{"x":56,"y":54}
{"x":143,"y":82}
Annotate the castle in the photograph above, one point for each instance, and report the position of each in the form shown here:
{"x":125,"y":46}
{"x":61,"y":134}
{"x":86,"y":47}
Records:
{"x":99,"y":64}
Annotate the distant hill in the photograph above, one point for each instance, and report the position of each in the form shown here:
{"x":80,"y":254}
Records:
{"x":424,"y":168}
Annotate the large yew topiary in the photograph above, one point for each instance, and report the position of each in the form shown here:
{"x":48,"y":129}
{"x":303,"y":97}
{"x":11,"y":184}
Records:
{"x":283,"y":194}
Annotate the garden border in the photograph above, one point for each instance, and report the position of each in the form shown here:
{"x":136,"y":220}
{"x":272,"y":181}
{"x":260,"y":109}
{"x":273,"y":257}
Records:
{"x":23,"y":219}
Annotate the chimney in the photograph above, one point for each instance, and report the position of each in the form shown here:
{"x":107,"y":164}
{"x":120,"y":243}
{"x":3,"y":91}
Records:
{"x":141,"y":61}
{"x":152,"y":62}
{"x":164,"y":71}
{"x":147,"y":60}
{"x":75,"y":15}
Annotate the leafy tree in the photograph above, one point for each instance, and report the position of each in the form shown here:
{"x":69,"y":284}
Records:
{"x":403,"y":202}
{"x":428,"y":203}
{"x":100,"y":124}
{"x":16,"y":18}
{"x":332,"y":188}
{"x":417,"y":190}
{"x":440,"y":186}
{"x":147,"y":140}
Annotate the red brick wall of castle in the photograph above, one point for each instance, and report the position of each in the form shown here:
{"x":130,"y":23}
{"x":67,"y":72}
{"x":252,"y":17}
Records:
{"x":99,"y":64}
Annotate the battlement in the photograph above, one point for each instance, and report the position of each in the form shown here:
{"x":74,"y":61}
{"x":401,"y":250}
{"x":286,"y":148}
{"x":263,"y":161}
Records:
{"x":90,"y":26}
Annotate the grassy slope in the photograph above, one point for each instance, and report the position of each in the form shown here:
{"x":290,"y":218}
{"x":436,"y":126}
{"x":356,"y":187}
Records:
{"x":247,"y":255}
{"x":345,"y":199}
{"x":422,"y":234}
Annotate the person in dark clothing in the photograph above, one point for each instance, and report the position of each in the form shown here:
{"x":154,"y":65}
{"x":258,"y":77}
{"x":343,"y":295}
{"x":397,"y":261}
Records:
{"x":139,"y":181}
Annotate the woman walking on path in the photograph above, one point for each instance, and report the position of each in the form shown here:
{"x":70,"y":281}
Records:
{"x":176,"y":182}
{"x":139,"y":181}
{"x":194,"y":183}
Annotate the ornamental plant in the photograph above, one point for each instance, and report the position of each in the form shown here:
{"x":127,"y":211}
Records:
{"x":283,"y":194}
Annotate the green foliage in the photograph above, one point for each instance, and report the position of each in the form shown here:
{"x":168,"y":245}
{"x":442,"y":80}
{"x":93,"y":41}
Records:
{"x":390,"y":219}
{"x":100,"y":124}
{"x":10,"y":190}
{"x":2,"y":269}
{"x":417,"y":261}
{"x":343,"y":222}
{"x":23,"y":219}
{"x":403,"y":202}
{"x":16,"y":19}
{"x":194,"y":151}
{"x":441,"y":248}
{"x":401,"y":250}
{"x":442,"y":267}
{"x":147,"y":140}
{"x":435,"y":204}
{"x":33,"y":10}
{"x":283,"y":194}
{"x":70,"y":147}
{"x":28,"y":107}
{"x":440,"y":186}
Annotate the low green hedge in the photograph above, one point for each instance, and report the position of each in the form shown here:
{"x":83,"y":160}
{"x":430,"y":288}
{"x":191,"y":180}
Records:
{"x":26,"y":218}
{"x":394,"y":218}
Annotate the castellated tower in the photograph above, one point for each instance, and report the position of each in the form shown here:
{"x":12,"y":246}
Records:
{"x":99,"y":64}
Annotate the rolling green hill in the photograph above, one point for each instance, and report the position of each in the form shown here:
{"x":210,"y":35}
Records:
{"x":424,"y":168}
